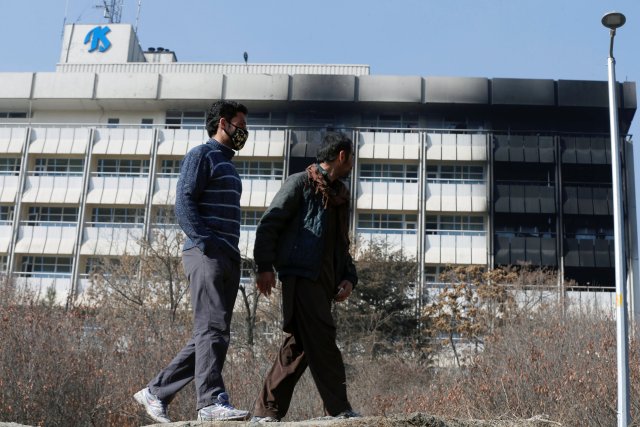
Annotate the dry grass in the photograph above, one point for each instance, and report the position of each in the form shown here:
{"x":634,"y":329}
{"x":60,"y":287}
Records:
{"x":82,"y":366}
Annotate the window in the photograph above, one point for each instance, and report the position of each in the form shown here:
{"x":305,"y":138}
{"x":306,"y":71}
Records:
{"x":438,"y":173}
{"x":388,"y":172}
{"x":267,"y":119}
{"x":118,"y":215}
{"x":56,"y":166}
{"x":3,"y":262}
{"x":390,"y":120}
{"x":13,"y":115}
{"x":37,"y":214}
{"x":250,"y":218}
{"x":166,"y":215}
{"x":6,"y":214}
{"x":9,"y":166}
{"x":316,"y":119}
{"x":179,"y":119}
{"x":250,"y":169}
{"x":146,"y":123}
{"x":113,"y":122}
{"x":101,"y":265}
{"x":387,"y":221}
{"x":246,"y":271}
{"x":47,"y":265}
{"x":432,"y":273}
{"x":170,"y":166}
{"x":122,"y":167}
{"x":454,"y":224}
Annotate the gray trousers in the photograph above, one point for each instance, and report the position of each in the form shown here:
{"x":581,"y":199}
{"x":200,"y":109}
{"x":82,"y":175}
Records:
{"x":214,"y":279}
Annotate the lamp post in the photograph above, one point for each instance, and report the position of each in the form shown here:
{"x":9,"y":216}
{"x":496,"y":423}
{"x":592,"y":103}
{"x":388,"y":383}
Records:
{"x":614,"y":20}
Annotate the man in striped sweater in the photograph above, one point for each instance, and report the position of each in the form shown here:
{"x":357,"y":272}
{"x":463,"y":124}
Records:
{"x":208,"y":211}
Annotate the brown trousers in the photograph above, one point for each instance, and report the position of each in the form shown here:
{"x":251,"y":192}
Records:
{"x":311,"y":342}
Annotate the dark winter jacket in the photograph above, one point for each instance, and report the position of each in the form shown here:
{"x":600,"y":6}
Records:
{"x":290,"y":235}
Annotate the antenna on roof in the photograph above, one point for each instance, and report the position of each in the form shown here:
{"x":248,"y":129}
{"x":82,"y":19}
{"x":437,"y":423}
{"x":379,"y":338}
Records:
{"x":64,"y":21}
{"x":138,"y":15}
{"x":112,"y":10}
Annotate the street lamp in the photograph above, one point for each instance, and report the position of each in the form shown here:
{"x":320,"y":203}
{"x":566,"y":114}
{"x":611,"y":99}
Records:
{"x":614,"y":20}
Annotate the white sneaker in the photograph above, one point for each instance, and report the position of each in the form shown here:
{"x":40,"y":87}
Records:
{"x":221,"y":410}
{"x":155,"y":408}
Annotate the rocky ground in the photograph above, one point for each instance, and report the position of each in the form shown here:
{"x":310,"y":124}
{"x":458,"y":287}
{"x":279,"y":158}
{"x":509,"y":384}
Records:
{"x":416,"y":420}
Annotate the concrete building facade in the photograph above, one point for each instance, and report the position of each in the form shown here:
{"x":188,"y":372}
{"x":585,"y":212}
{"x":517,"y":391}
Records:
{"x":452,"y":170}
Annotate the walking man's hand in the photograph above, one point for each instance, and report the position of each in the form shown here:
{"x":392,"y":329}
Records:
{"x":265,"y":282}
{"x":344,"y":290}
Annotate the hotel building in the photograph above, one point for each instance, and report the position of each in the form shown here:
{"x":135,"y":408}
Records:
{"x":452,"y":170}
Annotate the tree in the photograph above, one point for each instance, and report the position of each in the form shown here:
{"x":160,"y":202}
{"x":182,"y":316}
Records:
{"x":476,"y":302}
{"x":381,"y":311}
{"x":153,"y":278}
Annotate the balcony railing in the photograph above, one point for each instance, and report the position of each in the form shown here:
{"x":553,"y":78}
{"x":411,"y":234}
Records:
{"x":55,"y":173}
{"x":120,"y":174}
{"x":456,"y":232}
{"x":455,"y":181}
{"x":115,"y":224}
{"x":38,"y":223}
{"x":386,"y":230}
{"x":44,"y":274}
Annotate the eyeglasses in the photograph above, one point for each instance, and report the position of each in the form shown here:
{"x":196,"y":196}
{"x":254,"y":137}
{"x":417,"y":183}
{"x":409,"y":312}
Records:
{"x":239,"y":125}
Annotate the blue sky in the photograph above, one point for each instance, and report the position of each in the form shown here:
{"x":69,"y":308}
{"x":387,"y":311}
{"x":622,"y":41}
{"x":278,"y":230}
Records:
{"x":556,"y":39}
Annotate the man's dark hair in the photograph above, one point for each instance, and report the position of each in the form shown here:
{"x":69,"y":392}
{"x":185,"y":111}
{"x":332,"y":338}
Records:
{"x":220,"y":109}
{"x":332,"y":144}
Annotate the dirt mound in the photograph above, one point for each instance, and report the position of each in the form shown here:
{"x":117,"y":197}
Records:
{"x":416,"y":420}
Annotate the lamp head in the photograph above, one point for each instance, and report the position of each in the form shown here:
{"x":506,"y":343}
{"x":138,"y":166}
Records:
{"x":613,"y":20}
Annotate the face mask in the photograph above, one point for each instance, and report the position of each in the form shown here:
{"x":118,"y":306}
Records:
{"x":238,"y":137}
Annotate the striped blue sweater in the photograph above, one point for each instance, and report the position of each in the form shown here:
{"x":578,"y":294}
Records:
{"x":208,"y":199}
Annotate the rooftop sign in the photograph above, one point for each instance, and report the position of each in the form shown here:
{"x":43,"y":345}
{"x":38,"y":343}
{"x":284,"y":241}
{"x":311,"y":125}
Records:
{"x":98,"y":38}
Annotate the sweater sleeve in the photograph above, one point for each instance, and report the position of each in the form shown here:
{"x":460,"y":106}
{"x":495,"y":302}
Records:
{"x":283,"y":208}
{"x":194,"y":175}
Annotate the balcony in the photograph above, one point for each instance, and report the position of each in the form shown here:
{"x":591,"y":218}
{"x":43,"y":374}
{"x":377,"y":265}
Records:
{"x":59,"y":140}
{"x":258,"y":192}
{"x":5,"y":236}
{"x":456,"y":195}
{"x":586,"y":150}
{"x":46,"y":237}
{"x":456,"y":247}
{"x":9,"y":185}
{"x":53,"y":187}
{"x":12,"y":139}
{"x":519,"y":197}
{"x":264,"y":143}
{"x":389,"y":145}
{"x":177,"y":142}
{"x":111,"y":239}
{"x":516,"y":248}
{"x":587,"y":199}
{"x":524,"y":148}
{"x":394,"y":239}
{"x":457,"y":146}
{"x":167,"y":237}
{"x":164,"y":192}
{"x":123,"y":141}
{"x":118,"y":189}
{"x":247,"y":239}
{"x":387,"y":194}
{"x":40,"y":282}
{"x":589,"y":251}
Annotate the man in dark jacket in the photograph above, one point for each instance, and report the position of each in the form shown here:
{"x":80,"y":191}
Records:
{"x":304,"y":235}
